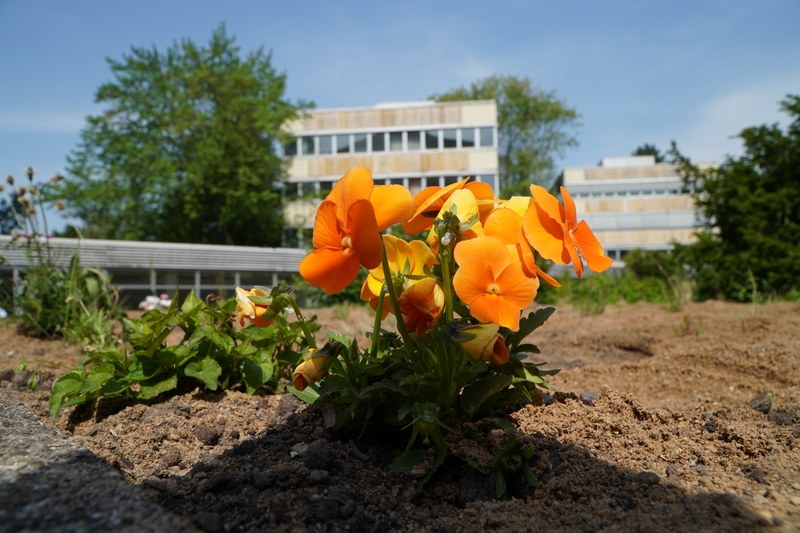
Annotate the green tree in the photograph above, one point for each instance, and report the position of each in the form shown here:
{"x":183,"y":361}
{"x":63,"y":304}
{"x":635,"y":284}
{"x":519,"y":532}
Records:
{"x":750,"y":207}
{"x":184,"y":150}
{"x":534,"y":127}
{"x":650,"y":149}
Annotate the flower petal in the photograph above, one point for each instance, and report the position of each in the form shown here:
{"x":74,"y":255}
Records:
{"x":356,"y":185}
{"x":362,"y":228}
{"x":328,"y":231}
{"x":429,"y":202}
{"x":545,"y":234}
{"x":590,"y":248}
{"x":570,"y":215}
{"x":392,"y":203}
{"x":330,"y":270}
{"x":505,"y":224}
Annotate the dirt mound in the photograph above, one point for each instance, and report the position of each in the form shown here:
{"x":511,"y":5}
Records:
{"x":685,"y":421}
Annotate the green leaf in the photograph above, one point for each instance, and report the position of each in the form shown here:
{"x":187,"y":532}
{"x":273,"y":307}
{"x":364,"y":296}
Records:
{"x":526,"y":348}
{"x":218,"y":339}
{"x":152,"y":388}
{"x":67,"y":385}
{"x":308,"y":395}
{"x":206,"y":370}
{"x":527,"y":325}
{"x":191,"y":304}
{"x":477,"y":394}
{"x":256,"y":374}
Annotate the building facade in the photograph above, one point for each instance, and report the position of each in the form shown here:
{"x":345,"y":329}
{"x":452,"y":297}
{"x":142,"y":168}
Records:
{"x":415,"y":144}
{"x":633,"y":202}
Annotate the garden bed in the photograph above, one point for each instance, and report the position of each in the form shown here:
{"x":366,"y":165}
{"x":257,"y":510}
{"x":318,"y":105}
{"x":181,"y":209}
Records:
{"x":662,"y":421}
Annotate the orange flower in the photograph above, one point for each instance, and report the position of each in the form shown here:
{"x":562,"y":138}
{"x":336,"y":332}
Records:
{"x":407,"y":261}
{"x":430,"y":200}
{"x":553,"y":229}
{"x":485,"y":344}
{"x":311,"y":370}
{"x":421,"y":305}
{"x":249,"y":313}
{"x":506,"y":224}
{"x":490,"y":280}
{"x":347,"y":226}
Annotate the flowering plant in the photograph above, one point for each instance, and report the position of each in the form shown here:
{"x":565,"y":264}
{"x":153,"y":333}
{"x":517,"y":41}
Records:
{"x":460,"y":349}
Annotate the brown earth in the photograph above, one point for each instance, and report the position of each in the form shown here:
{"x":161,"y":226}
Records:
{"x":686,"y":421}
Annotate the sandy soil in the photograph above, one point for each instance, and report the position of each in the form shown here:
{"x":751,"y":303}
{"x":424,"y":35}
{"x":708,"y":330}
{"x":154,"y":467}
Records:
{"x":685,"y":421}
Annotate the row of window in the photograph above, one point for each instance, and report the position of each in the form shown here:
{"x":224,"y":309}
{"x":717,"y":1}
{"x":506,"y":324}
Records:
{"x":391,"y":141}
{"x":320,"y":189}
{"x":622,"y":194}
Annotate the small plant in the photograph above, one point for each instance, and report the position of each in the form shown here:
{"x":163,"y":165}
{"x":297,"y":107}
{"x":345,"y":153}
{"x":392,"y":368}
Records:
{"x":78,"y":303}
{"x":461,"y":351}
{"x":212,"y":351}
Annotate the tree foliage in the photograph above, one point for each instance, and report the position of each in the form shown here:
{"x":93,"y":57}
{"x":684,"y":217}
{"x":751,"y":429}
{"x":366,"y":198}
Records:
{"x":650,"y":149}
{"x":184,"y":149}
{"x":750,"y":206}
{"x":534,"y":128}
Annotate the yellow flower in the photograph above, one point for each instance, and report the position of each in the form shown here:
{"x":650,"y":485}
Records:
{"x":485,"y":344}
{"x":249,"y":313}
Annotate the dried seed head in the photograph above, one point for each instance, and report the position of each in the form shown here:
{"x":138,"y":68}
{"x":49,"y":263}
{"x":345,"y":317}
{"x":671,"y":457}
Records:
{"x":56,"y":179}
{"x":10,"y":180}
{"x":60,"y":205}
{"x":22,"y":190}
{"x":23,"y":201}
{"x":31,"y":212}
{"x":29,"y":173}
{"x":34,"y":191}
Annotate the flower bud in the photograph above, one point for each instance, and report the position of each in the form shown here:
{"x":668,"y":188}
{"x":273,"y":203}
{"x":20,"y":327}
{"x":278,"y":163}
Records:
{"x":311,"y":370}
{"x":485,"y":343}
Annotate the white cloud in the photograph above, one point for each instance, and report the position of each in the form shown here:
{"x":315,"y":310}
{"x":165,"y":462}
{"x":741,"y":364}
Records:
{"x":41,"y":122}
{"x":712,"y":135}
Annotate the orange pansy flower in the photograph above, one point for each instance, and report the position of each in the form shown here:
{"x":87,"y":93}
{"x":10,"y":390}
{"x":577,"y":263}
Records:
{"x":506,"y":224}
{"x":553,"y":229}
{"x":347,"y":226}
{"x":421,"y":305}
{"x":490,"y":280}
{"x":405,"y":259}
{"x":430,"y":200}
{"x":249,"y":313}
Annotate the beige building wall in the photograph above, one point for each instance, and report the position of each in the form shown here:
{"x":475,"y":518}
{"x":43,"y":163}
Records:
{"x":466,"y":146}
{"x":633,"y":202}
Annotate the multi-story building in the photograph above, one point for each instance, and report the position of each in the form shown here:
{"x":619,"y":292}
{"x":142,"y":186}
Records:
{"x":416,"y":144}
{"x":633,"y":202}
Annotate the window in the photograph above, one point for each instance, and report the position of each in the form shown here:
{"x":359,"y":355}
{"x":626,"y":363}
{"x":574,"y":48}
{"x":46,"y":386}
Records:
{"x":431,"y":180}
{"x":325,"y":187}
{"x":449,"y":138}
{"x":396,"y":141}
{"x":414,"y":185}
{"x":379,"y":142}
{"x":468,"y":137}
{"x":342,"y":144}
{"x":414,"y":141}
{"x":325,"y":144}
{"x":491,"y":179}
{"x":307,"y":144}
{"x":290,"y":148}
{"x":432,"y":139}
{"x":487,"y":136}
{"x":449,"y":180}
{"x":360,"y":142}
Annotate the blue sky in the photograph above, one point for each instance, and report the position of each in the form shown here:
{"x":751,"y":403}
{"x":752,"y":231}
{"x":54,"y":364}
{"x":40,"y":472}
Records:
{"x":636,"y":71}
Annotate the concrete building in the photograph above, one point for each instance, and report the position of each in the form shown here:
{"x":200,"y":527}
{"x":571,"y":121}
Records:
{"x":416,"y":144}
{"x":633,"y":202}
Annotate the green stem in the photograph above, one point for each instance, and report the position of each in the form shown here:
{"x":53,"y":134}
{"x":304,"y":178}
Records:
{"x":388,"y":283}
{"x":447,"y":283}
{"x":312,"y":343}
{"x":376,"y":328}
